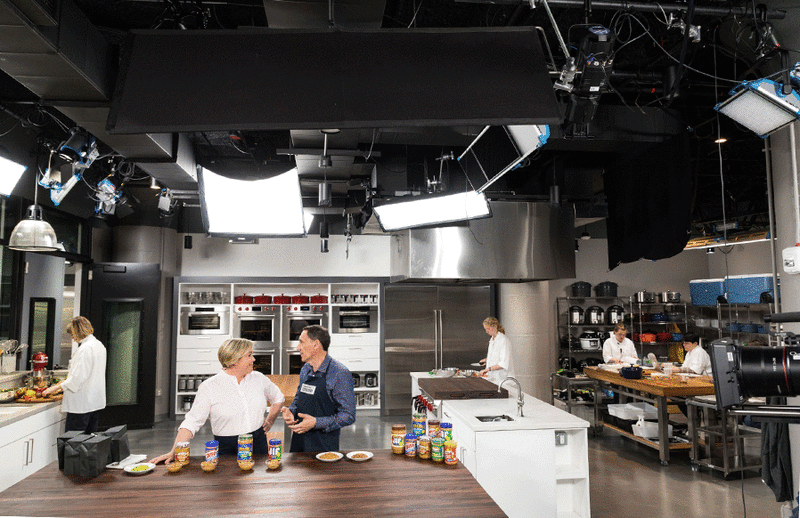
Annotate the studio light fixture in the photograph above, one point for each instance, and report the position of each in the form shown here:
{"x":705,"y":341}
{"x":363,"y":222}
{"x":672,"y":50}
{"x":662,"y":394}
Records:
{"x":34,"y":234}
{"x":429,"y":210}
{"x":324,"y":236}
{"x":709,"y":251}
{"x":585,"y":234}
{"x":154,"y":184}
{"x":325,"y":160}
{"x":762,"y":106}
{"x":10,"y":173}
{"x":271,"y":207}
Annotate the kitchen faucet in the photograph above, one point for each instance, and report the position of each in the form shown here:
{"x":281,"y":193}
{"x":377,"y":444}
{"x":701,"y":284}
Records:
{"x":520,"y":399}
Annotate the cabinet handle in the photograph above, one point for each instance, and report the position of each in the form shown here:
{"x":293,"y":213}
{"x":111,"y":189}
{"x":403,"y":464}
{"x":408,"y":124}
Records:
{"x":204,"y":350}
{"x":31,"y":450}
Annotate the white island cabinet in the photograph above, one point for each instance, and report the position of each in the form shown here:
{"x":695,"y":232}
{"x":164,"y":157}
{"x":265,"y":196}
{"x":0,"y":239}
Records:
{"x":28,"y":436}
{"x":533,"y":466}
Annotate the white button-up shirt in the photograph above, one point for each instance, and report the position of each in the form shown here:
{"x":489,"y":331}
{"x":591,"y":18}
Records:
{"x":698,"y":361}
{"x":85,"y":386}
{"x":233,"y":408}
{"x":499,"y":354}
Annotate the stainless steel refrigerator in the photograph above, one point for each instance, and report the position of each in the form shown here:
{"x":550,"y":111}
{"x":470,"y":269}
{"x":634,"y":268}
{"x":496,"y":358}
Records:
{"x":429,"y":327}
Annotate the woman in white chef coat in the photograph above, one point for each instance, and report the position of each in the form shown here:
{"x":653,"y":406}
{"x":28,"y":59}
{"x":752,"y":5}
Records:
{"x":697,"y":360}
{"x":497,"y":364}
{"x":235,"y":400}
{"x":85,"y":386}
{"x":618,"y":348}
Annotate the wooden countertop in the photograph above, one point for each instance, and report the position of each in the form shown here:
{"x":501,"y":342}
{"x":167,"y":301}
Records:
{"x":288,"y":385}
{"x":387,"y":484}
{"x":661,"y":386}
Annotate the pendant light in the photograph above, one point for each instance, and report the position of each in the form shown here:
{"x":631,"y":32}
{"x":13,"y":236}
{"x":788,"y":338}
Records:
{"x":33,"y":234}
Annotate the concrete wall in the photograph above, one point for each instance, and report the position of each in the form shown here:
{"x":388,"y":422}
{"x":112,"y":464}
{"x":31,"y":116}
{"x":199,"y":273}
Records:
{"x":290,"y":257}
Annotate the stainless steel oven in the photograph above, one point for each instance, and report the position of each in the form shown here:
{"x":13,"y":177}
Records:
{"x":355,"y":319}
{"x":291,"y":363}
{"x":261,"y":324}
{"x":205,"y":320}
{"x":267,"y":361}
{"x":295,"y":318}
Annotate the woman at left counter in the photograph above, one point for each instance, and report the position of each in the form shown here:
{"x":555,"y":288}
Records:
{"x":235,"y":400}
{"x":85,"y":386}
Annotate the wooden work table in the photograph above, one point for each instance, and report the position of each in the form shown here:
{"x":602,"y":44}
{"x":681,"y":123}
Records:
{"x":288,"y":385}
{"x":657,"y":390}
{"x":387,"y":484}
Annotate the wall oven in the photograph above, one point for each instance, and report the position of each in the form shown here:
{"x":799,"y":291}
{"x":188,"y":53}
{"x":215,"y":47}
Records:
{"x":261,"y":324}
{"x":355,"y":319}
{"x":205,"y":320}
{"x":267,"y":362}
{"x":295,"y":318}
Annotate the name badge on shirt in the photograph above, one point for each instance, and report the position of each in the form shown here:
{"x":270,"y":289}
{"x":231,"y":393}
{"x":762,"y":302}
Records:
{"x":308,"y":389}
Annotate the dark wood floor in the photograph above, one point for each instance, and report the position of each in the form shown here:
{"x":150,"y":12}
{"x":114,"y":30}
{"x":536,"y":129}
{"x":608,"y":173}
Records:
{"x":627,"y":479}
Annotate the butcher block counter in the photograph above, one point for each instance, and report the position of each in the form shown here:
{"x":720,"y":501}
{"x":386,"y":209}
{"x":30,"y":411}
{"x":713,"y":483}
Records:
{"x":387,"y":484}
{"x":288,"y":385}
{"x":461,"y":388}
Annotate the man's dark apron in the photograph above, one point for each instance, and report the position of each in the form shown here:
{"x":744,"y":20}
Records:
{"x":313,"y":400}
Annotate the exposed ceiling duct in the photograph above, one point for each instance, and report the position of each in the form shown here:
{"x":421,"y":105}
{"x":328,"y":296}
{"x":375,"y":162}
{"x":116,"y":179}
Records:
{"x":52,"y":49}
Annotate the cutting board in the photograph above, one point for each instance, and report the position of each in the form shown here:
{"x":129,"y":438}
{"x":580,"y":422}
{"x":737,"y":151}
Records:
{"x":461,"y":388}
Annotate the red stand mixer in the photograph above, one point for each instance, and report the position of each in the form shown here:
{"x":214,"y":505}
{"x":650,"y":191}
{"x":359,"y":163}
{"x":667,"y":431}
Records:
{"x":40,"y":378}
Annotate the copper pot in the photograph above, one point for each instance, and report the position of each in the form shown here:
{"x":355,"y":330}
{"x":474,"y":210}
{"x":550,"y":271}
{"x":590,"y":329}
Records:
{"x":243,"y":299}
{"x":319,"y":299}
{"x":300,"y":299}
{"x":262,"y":299}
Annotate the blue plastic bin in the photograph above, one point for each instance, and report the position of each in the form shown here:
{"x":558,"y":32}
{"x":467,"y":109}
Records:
{"x":704,"y":292}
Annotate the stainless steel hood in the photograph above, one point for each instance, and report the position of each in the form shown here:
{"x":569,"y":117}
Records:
{"x":521,"y":242}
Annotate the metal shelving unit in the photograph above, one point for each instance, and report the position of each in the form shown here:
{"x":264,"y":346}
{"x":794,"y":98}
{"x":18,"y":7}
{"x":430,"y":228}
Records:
{"x":642,"y":320}
{"x":566,"y":328}
{"x":745,"y":323}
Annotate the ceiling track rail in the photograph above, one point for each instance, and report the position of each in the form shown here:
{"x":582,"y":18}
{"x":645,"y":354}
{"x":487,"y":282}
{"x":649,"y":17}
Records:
{"x":771,"y":14}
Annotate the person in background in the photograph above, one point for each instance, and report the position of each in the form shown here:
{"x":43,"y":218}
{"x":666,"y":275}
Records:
{"x":325,"y":401}
{"x":497,"y":364}
{"x":235,"y":401}
{"x":85,"y":386}
{"x":697,"y":360}
{"x":619,"y":349}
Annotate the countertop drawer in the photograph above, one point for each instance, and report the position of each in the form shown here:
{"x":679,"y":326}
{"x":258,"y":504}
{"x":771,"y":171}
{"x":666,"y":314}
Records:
{"x":355,"y":339}
{"x":355,"y":352}
{"x":359,"y":365}
{"x":195,"y":355}
{"x":198,"y":367}
{"x":201,"y":341}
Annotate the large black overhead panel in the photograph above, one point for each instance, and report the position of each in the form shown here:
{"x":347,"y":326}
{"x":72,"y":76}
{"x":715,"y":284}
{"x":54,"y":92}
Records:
{"x":176,"y":81}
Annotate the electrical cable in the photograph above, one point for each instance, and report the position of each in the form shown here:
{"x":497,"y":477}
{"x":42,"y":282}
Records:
{"x":414,"y":19}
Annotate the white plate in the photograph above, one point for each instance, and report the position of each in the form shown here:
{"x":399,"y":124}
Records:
{"x":352,"y":453}
{"x":129,"y":468}
{"x":338,"y":456}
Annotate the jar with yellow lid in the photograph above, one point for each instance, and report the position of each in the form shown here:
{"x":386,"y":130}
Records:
{"x":398,"y":438}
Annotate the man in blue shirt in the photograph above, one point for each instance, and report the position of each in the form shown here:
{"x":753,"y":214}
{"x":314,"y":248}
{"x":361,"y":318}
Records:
{"x":325,"y":401}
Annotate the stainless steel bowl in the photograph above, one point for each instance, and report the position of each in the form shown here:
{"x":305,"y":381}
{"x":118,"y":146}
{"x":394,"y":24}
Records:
{"x":447,"y":372}
{"x":468,"y":373}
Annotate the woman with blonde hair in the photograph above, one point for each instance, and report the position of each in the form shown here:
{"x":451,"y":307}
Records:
{"x":85,"y":386}
{"x":235,"y":400}
{"x":497,"y":364}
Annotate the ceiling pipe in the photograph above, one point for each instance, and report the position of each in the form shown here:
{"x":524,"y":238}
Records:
{"x":771,"y":14}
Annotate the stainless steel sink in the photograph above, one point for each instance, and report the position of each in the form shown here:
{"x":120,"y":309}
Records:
{"x":492,"y":418}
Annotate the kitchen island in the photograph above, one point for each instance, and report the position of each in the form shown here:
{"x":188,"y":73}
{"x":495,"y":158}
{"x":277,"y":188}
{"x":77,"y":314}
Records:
{"x":535,"y":466}
{"x":386,"y":485}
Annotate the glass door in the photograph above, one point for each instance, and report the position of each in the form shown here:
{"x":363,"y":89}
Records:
{"x":123,"y":309}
